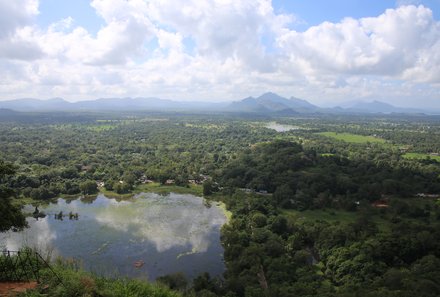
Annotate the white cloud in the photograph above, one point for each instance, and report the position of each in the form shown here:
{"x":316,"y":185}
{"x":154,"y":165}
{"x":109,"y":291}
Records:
{"x":223,"y":29}
{"x":16,"y":14}
{"x":174,"y":225}
{"x":14,"y":22}
{"x":216,"y":49}
{"x":391,"y":45}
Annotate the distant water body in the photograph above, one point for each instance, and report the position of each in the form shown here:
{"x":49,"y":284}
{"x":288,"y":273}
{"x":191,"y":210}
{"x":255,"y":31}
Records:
{"x":144,"y":237}
{"x":281,"y":128}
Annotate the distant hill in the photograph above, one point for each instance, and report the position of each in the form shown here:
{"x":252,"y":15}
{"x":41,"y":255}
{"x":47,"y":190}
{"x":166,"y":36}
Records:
{"x":378,"y":107}
{"x":267,"y":104}
{"x":272,"y":103}
{"x":7,"y":114}
{"x":109,"y":104}
{"x":30,"y":104}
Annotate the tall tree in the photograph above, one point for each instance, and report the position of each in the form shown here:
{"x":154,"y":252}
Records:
{"x":11,"y":216}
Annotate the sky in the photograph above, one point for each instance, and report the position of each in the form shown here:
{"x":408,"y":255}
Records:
{"x":325,"y":51}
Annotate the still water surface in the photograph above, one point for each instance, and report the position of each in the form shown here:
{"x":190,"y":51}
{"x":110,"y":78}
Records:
{"x":161,"y":233}
{"x":280,"y":127}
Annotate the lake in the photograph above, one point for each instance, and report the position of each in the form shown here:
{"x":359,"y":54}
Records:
{"x":160,"y":233}
{"x":280,"y":127}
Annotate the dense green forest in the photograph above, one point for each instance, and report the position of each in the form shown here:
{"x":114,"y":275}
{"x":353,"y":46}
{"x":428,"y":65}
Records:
{"x":332,"y":207}
{"x":392,"y":251}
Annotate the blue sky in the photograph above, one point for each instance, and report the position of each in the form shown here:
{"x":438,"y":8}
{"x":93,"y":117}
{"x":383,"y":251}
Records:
{"x":315,"y":12}
{"x":326,"y":51}
{"x":80,"y":10}
{"x":309,"y":13}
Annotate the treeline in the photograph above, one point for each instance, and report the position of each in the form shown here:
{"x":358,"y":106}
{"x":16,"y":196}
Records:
{"x":303,"y":179}
{"x":270,"y":254}
{"x":64,"y":158}
{"x":414,"y":133}
{"x":392,"y":251}
{"x":53,"y":160}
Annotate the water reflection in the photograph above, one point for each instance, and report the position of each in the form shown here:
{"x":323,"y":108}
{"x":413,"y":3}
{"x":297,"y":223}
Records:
{"x":168,"y":233}
{"x":280,"y":127}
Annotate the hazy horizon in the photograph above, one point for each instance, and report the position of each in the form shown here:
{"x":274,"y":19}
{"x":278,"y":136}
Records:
{"x":325,"y":52}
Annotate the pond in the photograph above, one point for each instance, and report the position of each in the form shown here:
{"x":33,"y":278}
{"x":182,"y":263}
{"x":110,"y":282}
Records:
{"x":144,"y":237}
{"x":280,"y":127}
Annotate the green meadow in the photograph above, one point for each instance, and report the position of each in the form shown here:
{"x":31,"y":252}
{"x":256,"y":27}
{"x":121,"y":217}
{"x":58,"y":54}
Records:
{"x":420,"y":156}
{"x":352,"y":138}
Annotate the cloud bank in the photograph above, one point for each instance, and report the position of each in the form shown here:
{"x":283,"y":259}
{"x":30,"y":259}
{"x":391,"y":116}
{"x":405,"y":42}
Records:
{"x":219,"y":50}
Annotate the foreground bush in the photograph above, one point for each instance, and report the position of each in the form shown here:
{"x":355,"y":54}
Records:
{"x":69,"y":280}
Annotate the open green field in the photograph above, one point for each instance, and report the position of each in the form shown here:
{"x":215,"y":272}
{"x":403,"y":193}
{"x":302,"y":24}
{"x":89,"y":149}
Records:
{"x":327,"y":155}
{"x":328,"y":215}
{"x":353,"y":138}
{"x":420,"y":156}
{"x":100,"y":128}
{"x":332,"y":215}
{"x":155,"y":187}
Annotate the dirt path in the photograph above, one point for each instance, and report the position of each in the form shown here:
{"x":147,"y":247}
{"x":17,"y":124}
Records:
{"x":13,"y":288}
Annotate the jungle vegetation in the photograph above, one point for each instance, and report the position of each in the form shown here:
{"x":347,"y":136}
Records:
{"x":336,"y":207}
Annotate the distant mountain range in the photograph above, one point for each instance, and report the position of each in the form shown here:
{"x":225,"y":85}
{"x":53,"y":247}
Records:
{"x":273,"y":103}
{"x":268,"y":103}
{"x":108,"y":104}
{"x":380,"y":107}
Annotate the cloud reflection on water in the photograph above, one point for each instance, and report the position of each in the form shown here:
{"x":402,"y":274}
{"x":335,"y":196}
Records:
{"x":171,"y":233}
{"x":165,"y":221}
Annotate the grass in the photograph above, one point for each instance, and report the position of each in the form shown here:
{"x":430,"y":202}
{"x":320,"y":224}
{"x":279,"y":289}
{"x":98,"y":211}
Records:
{"x":101,"y":127}
{"x":329,"y":215}
{"x":205,"y":126}
{"x":111,"y":194}
{"x":420,"y":156}
{"x":332,"y":216}
{"x":352,"y":138}
{"x":77,"y":282}
{"x":227,"y":213}
{"x":196,"y":190}
{"x":22,"y":201}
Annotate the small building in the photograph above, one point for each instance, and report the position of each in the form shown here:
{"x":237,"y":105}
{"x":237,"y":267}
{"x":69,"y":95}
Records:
{"x":246,"y":190}
{"x":425,"y":195}
{"x":380,"y":204}
{"x":144,"y":180}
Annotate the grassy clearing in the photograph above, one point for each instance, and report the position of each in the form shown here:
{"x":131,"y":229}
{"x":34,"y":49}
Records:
{"x":22,"y":201}
{"x":196,"y":190}
{"x":352,"y":138}
{"x":327,"y":155}
{"x":205,"y":126}
{"x":100,"y":128}
{"x":332,"y":216}
{"x":420,"y":156}
{"x":111,"y":194}
{"x":329,"y":215}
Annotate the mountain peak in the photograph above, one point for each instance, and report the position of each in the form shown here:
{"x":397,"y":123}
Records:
{"x":270,"y":102}
{"x":57,"y":100}
{"x":270,"y":96}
